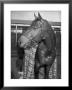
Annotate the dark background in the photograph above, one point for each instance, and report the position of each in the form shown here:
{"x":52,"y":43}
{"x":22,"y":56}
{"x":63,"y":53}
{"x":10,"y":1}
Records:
{"x":1,"y":33}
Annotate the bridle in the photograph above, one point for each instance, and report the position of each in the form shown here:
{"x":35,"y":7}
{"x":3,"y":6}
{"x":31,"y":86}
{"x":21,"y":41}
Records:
{"x":40,"y":27}
{"x":35,"y":28}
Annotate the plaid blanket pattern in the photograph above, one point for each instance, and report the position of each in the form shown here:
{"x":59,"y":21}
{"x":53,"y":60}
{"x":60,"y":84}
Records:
{"x":29,"y":63}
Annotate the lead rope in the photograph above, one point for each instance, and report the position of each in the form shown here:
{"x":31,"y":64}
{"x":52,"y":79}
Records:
{"x":29,"y":63}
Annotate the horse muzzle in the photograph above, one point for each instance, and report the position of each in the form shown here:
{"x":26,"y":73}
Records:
{"x":23,"y":41}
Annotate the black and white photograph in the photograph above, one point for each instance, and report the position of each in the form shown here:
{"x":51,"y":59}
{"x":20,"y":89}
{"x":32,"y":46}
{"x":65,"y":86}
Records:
{"x":35,"y":44}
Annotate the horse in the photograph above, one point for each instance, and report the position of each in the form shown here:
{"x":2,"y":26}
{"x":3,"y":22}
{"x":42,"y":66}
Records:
{"x":41,"y":33}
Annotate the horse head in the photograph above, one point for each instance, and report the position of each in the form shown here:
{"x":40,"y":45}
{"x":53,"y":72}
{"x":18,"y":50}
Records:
{"x":33,"y":31}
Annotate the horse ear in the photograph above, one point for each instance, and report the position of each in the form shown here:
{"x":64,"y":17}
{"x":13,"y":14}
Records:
{"x":39,"y":15}
{"x":35,"y":16}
